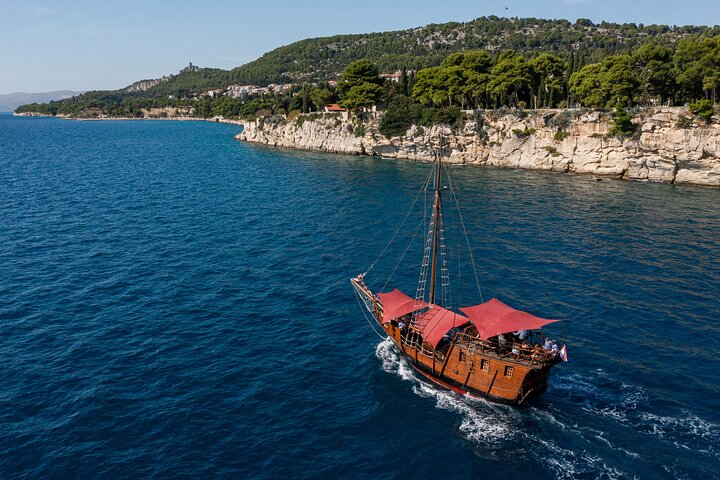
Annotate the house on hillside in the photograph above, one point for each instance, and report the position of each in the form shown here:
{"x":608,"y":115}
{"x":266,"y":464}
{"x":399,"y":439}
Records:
{"x":334,"y":107}
{"x":393,"y":77}
{"x":215,"y":93}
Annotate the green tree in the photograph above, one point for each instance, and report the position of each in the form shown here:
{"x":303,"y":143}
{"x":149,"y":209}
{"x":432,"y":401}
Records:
{"x":400,"y":115}
{"x":697,"y":67}
{"x":304,"y":95}
{"x":654,"y":69}
{"x":475,"y":88}
{"x":357,"y":73}
{"x":429,"y":87}
{"x":548,"y":73}
{"x":467,"y":74}
{"x":453,"y":82}
{"x":619,"y":81}
{"x":510,"y":79}
{"x":476,"y":60}
{"x":362,"y":96}
{"x":321,"y":96}
{"x":360,"y":86}
{"x":585,"y":86}
{"x":460,"y":79}
{"x":610,"y":83}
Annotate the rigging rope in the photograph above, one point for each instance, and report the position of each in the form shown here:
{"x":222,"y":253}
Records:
{"x":362,"y":308}
{"x":467,"y":240}
{"x":417,"y":229}
{"x":400,"y":226}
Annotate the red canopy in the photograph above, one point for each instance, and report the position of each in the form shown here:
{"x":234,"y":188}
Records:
{"x":396,"y":304}
{"x":494,"y":318}
{"x":436,"y":322}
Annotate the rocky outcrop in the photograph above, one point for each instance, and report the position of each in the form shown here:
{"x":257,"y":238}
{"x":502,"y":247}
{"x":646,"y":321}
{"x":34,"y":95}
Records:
{"x":669,"y":146}
{"x":144,"y":85}
{"x":327,"y":132}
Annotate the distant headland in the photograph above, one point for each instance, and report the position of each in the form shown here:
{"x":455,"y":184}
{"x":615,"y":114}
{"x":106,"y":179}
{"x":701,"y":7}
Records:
{"x":11,"y":101}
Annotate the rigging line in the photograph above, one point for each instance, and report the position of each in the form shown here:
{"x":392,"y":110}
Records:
{"x":417,"y":229}
{"x":362,"y":307}
{"x":427,"y":180}
{"x":444,"y":270}
{"x":458,"y":271}
{"x":467,"y":240}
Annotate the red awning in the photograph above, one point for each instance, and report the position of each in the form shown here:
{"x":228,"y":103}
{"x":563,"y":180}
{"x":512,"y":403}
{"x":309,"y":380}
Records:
{"x":494,"y":318}
{"x":396,"y":304}
{"x":436,"y":322}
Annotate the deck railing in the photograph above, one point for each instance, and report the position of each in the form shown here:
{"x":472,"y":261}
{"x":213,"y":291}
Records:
{"x":521,"y":352}
{"x":472,"y":345}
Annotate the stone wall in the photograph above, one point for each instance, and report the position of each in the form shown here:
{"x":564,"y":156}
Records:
{"x":662,"y":151}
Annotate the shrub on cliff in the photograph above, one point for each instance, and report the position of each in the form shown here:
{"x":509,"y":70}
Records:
{"x":561,"y":121}
{"x":703,"y":109}
{"x":359,"y":130}
{"x":293,"y":115}
{"x":263,"y":112}
{"x":622,"y":125}
{"x":479,"y":117}
{"x":441,"y":116}
{"x":401,"y":113}
{"x":561,"y":135}
{"x":523,"y":133}
{"x":448,"y":116}
{"x":684,"y":121}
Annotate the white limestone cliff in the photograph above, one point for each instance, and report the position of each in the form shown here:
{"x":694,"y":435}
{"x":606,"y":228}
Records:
{"x":670,"y":146}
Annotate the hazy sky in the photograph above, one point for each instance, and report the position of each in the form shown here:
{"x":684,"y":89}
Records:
{"x":86,"y":45}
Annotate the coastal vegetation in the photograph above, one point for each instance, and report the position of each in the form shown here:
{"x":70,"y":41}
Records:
{"x":489,"y":63}
{"x":703,"y":109}
{"x":622,"y":124}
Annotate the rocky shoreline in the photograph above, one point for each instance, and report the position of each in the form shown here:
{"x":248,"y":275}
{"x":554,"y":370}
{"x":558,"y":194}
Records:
{"x":670,"y":145}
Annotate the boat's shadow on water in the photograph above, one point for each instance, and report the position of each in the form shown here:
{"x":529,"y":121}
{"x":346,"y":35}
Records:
{"x":588,"y":426}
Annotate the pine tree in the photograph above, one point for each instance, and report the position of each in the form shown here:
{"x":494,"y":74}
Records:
{"x":404,"y":82}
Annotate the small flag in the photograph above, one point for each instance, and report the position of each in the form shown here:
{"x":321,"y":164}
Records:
{"x":563,"y":353}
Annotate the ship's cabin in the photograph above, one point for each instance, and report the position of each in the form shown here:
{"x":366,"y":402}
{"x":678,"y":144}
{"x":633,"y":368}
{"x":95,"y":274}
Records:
{"x":525,"y":346}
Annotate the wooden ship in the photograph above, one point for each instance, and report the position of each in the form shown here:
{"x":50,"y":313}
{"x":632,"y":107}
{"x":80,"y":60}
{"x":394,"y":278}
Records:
{"x":490,"y":350}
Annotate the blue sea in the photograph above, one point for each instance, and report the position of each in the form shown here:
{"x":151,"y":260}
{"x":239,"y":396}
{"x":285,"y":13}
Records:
{"x":175,"y":304}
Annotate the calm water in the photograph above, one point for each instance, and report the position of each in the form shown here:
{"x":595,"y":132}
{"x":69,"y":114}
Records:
{"x":175,"y":304}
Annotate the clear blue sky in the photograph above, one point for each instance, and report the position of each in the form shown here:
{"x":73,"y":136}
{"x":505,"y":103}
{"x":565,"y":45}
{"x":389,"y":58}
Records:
{"x":86,"y":45}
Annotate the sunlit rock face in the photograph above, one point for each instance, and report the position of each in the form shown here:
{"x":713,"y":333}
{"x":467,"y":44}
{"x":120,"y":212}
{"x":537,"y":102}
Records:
{"x":574,"y":141}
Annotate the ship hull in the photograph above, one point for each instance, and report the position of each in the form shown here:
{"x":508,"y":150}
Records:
{"x":491,"y":377}
{"x":471,"y":392}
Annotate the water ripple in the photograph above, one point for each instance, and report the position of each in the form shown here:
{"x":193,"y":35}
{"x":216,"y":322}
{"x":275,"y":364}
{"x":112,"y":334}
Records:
{"x":175,"y":304}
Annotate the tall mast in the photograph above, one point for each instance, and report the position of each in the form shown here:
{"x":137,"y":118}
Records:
{"x":436,"y":228}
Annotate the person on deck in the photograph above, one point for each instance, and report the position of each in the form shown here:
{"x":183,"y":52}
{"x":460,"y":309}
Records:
{"x":522,"y":335}
{"x":502,"y":344}
{"x":537,"y":354}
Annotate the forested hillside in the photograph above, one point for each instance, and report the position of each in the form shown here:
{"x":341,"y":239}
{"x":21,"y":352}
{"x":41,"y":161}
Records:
{"x":573,"y":45}
{"x":324,"y":58}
